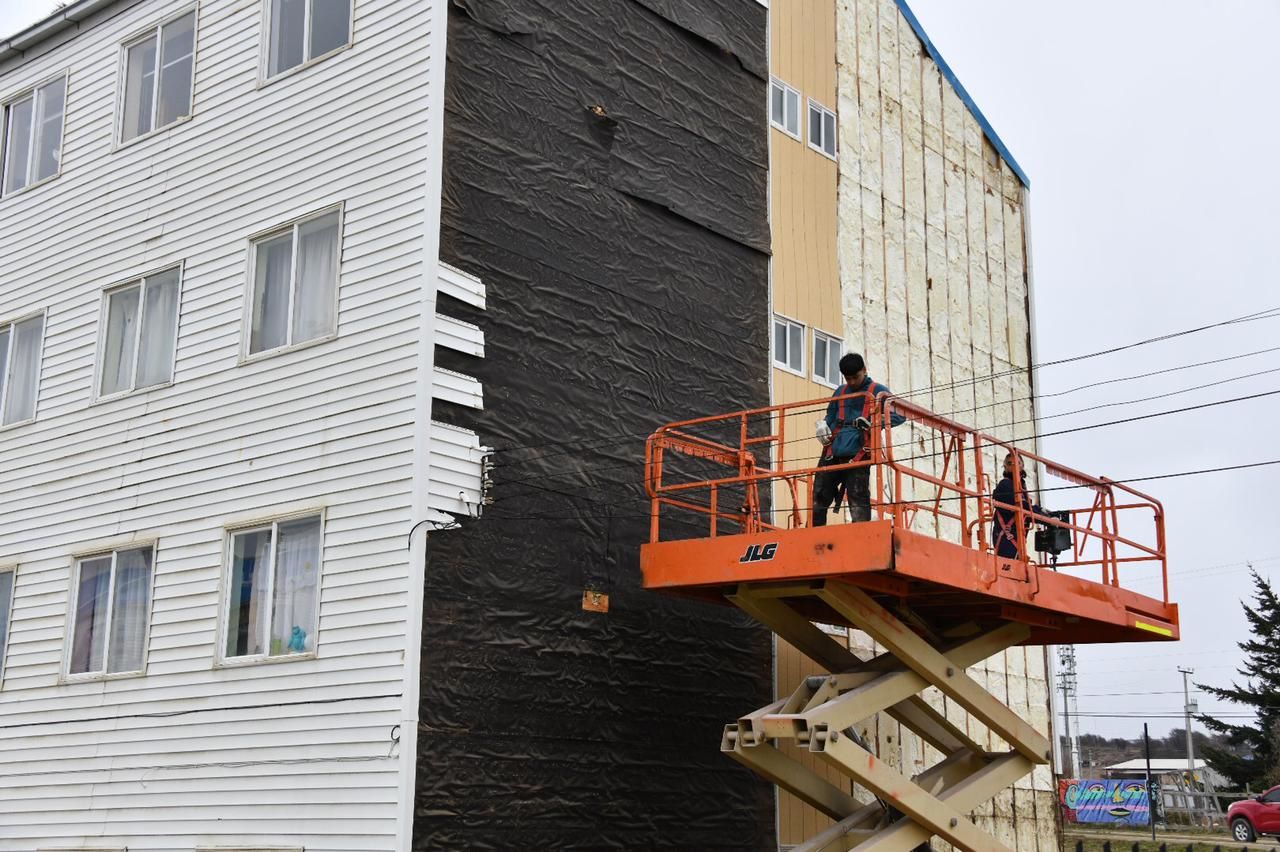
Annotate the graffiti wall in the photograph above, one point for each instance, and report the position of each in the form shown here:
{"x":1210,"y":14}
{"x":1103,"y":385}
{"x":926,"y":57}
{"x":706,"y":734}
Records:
{"x":1104,"y":801}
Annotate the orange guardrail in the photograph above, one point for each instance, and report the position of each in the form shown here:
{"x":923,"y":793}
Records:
{"x":933,"y":477}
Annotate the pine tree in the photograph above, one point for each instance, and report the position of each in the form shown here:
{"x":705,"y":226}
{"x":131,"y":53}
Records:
{"x":1260,"y":692}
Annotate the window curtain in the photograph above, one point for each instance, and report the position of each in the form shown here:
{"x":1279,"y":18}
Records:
{"x":274,"y":266}
{"x":17,"y":150}
{"x":293,"y":608}
{"x":313,"y":307}
{"x":139,"y":88}
{"x":24,"y":374}
{"x":89,"y":639}
{"x":122,"y":336}
{"x":177,"y":45}
{"x":159,"y":329}
{"x":288,"y":36}
{"x":6,"y":604}
{"x":129,"y":610}
{"x":50,"y":101}
{"x":250,"y":561}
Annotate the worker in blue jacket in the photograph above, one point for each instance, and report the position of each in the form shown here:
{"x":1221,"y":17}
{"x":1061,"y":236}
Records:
{"x":847,"y":424}
{"x":1004,"y":526}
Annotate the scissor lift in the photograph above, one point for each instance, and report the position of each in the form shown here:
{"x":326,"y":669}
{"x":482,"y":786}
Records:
{"x":920,"y":579}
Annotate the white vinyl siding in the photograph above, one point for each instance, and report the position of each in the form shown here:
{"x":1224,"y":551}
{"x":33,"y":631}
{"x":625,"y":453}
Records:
{"x":826,"y":359}
{"x":159,"y":76}
{"x":788,"y":345}
{"x":784,"y":108}
{"x":303,"y":30}
{"x":272,"y":588}
{"x":298,"y":751}
{"x":109,"y":613}
{"x":140,"y":331}
{"x":20,"y":347}
{"x":33,"y":124}
{"x":822,"y":129}
{"x":295,"y":284}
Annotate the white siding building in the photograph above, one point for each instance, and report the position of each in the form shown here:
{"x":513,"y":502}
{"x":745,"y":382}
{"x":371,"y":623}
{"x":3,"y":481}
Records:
{"x":218,"y":240}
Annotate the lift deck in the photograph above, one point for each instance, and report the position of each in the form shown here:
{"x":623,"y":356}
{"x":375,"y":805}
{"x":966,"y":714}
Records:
{"x":730,"y":525}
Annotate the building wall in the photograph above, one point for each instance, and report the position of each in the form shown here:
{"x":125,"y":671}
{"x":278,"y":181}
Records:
{"x":300,"y":753}
{"x":931,"y":278}
{"x":616,"y":208}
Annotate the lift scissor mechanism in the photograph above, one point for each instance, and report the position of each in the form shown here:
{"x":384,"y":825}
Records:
{"x":920,"y":579}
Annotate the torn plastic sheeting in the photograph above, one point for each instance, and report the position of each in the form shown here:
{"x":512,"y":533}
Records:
{"x":731,"y":36}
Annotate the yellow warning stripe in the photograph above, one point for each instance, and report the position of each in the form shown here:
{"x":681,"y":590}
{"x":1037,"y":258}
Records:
{"x":1154,"y":628}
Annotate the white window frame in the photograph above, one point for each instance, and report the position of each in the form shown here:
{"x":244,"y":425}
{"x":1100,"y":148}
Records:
{"x":246,"y":323}
{"x":774,"y":82}
{"x":65,"y":75}
{"x":72,"y":601}
{"x":818,"y":146}
{"x":8,"y":367}
{"x":8,"y":631}
{"x":97,"y":395}
{"x":265,"y":77}
{"x":123,"y":73}
{"x":831,"y":340}
{"x":804,"y":339}
{"x":220,"y":658}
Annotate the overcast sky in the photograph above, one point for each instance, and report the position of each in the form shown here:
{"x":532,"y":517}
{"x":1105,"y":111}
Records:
{"x":1148,"y":132}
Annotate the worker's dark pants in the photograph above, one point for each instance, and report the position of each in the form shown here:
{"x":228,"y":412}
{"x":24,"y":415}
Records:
{"x":857,"y":490}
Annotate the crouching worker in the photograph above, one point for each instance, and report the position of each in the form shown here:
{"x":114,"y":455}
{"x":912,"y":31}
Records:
{"x":844,"y":432}
{"x":1004,"y":529}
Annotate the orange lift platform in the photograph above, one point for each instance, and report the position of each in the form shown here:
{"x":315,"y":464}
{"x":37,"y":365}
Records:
{"x":730,"y":525}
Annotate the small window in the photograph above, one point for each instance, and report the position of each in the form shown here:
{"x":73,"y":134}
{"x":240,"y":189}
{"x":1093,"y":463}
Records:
{"x":110,"y":614}
{"x":159,"y":74}
{"x":302,"y":30}
{"x":7,"y":576}
{"x":788,"y":345}
{"x":19,"y":369}
{"x":141,"y":320}
{"x":33,"y":135}
{"x":274,"y":589}
{"x":295,"y":284}
{"x":1273,"y":796}
{"x":784,"y":108}
{"x":826,"y":359}
{"x":822,"y":129}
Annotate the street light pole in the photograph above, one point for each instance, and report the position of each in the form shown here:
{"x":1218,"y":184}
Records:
{"x":1187,"y":709}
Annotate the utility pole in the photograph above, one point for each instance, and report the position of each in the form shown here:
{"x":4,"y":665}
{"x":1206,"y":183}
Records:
{"x":1151,"y":796}
{"x":1188,"y":707}
{"x":1067,"y":677}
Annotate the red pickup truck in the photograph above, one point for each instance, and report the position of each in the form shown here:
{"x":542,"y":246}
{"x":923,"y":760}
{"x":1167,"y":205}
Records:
{"x":1252,"y":817}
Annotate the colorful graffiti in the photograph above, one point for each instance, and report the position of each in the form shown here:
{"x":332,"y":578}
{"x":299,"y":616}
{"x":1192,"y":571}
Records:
{"x":1105,"y":801}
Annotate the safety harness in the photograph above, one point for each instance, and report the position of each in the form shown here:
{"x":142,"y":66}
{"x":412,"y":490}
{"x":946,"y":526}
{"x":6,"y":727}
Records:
{"x":1005,"y":527}
{"x":868,"y":407}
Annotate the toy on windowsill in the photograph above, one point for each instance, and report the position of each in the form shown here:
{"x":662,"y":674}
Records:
{"x":297,"y":640}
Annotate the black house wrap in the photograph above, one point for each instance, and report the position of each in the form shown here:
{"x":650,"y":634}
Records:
{"x":605,"y":174}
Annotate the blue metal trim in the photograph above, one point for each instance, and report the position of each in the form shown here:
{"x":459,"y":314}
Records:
{"x":950,"y":76}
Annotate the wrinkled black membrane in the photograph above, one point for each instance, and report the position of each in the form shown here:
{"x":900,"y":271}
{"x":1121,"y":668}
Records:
{"x":605,"y":175}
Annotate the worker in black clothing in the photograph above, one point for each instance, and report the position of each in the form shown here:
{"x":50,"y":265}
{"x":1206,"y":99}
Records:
{"x":844,"y":433}
{"x":1004,"y":529}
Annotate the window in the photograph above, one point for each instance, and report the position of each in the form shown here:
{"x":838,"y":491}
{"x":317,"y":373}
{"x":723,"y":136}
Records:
{"x":109,"y":618}
{"x":19,"y":369}
{"x":274,"y":589}
{"x":826,"y":359}
{"x":159,"y":74}
{"x":141,"y":330}
{"x":33,"y":135}
{"x":295,"y":284}
{"x":6,"y":607}
{"x":788,"y":345}
{"x":302,"y":30}
{"x":1272,"y":797}
{"x":784,"y":108}
{"x":822,"y":129}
